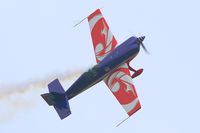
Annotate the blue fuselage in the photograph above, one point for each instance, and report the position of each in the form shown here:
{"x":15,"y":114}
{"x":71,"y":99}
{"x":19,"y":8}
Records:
{"x":120,"y":55}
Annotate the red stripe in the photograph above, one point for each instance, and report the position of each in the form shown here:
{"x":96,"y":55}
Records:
{"x":94,"y":14}
{"x":137,"y":107}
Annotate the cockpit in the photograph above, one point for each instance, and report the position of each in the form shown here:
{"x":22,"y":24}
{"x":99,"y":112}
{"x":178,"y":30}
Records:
{"x":92,"y":72}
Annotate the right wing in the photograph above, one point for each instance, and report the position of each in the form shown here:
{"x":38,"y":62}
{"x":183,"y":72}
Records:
{"x":121,"y":85}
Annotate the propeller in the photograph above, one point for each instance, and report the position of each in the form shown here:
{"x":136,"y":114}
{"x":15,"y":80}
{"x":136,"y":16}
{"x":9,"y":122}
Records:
{"x":140,"y":39}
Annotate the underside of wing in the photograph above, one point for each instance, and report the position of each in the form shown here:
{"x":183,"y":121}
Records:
{"x":120,"y":84}
{"x":103,"y":40}
{"x":120,"y":81}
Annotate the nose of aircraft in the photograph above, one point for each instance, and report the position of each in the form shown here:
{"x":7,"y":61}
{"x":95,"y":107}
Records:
{"x":140,"y":39}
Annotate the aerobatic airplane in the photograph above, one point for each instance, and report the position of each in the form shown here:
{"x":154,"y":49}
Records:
{"x":112,"y":67}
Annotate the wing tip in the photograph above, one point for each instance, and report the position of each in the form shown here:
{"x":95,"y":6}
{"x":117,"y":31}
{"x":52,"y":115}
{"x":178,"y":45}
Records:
{"x":97,"y":11}
{"x":137,"y":107}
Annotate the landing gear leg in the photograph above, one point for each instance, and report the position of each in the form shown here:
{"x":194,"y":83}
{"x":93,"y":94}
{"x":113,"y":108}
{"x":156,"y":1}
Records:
{"x":136,"y":72}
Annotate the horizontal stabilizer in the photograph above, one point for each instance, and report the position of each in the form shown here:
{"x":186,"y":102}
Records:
{"x":57,"y":98}
{"x":53,"y":98}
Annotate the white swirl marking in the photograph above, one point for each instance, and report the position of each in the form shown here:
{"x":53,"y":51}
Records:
{"x":108,"y":41}
{"x":130,"y":106}
{"x":109,"y":37}
{"x":115,"y":87}
{"x":98,"y":48}
{"x":100,"y":57}
{"x":94,"y":20}
{"x":119,"y":78}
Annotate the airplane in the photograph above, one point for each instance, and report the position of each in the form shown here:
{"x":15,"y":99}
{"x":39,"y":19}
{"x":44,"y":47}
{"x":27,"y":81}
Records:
{"x":112,"y":67}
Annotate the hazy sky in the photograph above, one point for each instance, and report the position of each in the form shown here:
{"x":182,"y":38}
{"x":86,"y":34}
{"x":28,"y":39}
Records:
{"x":37,"y":39}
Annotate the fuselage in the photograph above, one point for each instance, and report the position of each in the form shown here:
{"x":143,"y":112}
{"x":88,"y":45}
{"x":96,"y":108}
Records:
{"x":120,"y":55}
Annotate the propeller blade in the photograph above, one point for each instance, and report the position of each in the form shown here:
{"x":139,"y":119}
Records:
{"x":145,"y":49}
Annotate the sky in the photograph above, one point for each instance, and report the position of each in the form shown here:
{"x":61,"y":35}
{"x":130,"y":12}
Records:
{"x":39,"y":43}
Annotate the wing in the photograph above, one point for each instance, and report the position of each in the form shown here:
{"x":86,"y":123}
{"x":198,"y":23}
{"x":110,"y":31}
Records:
{"x":103,"y":40}
{"x":120,"y":84}
{"x":120,"y":81}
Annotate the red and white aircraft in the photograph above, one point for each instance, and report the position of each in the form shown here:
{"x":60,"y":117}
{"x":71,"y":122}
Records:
{"x":112,"y":67}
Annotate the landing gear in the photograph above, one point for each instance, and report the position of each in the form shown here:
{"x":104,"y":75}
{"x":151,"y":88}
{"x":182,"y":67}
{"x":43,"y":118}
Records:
{"x":136,"y":72}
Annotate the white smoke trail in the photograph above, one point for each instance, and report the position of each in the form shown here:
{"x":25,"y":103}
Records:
{"x":14,"y":98}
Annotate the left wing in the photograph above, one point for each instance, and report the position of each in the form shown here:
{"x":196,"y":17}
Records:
{"x":103,"y":40}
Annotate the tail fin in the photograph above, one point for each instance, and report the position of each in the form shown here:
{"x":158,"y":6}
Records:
{"x":57,"y":98}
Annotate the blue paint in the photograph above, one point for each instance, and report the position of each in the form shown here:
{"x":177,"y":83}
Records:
{"x":121,"y":54}
{"x":57,"y":98}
